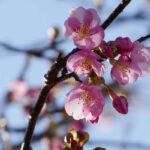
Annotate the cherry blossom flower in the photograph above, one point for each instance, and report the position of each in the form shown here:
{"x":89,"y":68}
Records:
{"x":134,"y":64}
{"x":141,"y":56}
{"x":18,"y":89}
{"x":85,"y":101}
{"x":83,"y":27}
{"x":124,"y":70}
{"x":84,"y":62}
{"x":124,"y":45}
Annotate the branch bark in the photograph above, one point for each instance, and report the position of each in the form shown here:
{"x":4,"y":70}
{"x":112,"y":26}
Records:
{"x":144,"y":38}
{"x":115,"y":13}
{"x":51,"y":81}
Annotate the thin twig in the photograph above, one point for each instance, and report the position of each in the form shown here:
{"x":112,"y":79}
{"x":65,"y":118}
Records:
{"x":25,"y":67}
{"x":144,"y":38}
{"x":32,"y":52}
{"x":115,"y":13}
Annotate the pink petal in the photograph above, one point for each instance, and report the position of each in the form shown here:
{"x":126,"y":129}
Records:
{"x":121,"y":104}
{"x":99,"y":68}
{"x":88,"y":18}
{"x":92,"y":41}
{"x":74,"y":108}
{"x":78,"y":13}
{"x":96,"y":19}
{"x":82,"y":71}
{"x":95,"y":121}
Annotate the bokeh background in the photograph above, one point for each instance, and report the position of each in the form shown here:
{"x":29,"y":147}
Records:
{"x":24,"y":24}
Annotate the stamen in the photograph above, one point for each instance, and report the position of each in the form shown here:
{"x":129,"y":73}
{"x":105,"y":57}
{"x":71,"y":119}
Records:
{"x":86,"y":63}
{"x":84,"y":32}
{"x":124,"y":67}
{"x":86,"y":98}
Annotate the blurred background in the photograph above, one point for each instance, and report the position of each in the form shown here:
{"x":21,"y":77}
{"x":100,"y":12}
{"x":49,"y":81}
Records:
{"x":31,"y":39}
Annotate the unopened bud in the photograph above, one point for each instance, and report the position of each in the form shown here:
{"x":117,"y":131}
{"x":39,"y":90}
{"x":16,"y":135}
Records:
{"x":120,"y":104}
{"x":53,"y":32}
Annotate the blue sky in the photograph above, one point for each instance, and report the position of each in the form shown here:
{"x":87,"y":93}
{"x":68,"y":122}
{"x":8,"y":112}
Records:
{"x":24,"y":23}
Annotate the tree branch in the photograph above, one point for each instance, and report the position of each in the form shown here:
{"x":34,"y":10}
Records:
{"x":144,"y":38}
{"x":115,"y":13}
{"x":32,"y":52}
{"x":50,"y":82}
{"x":25,"y":67}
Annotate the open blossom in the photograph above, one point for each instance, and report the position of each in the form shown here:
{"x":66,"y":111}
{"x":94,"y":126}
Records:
{"x":85,"y":101}
{"x":132,"y":65}
{"x":83,"y":27}
{"x":141,"y":56}
{"x":84,"y":62}
{"x":124,"y":70}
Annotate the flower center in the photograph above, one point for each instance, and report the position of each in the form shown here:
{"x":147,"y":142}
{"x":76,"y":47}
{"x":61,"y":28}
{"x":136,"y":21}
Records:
{"x":84,"y":32}
{"x":124,"y":67}
{"x":86,"y":98}
{"x":86,"y":63}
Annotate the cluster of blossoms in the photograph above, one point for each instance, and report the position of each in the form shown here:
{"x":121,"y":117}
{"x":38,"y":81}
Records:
{"x":86,"y":100}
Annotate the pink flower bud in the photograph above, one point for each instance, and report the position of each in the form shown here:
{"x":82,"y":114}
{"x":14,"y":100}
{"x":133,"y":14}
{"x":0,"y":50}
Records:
{"x":124,"y":45}
{"x":107,"y":51}
{"x":120,"y":104}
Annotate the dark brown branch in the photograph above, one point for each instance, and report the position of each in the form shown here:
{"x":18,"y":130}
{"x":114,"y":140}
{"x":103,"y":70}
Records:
{"x":144,"y":38}
{"x":51,"y":81}
{"x":115,"y":13}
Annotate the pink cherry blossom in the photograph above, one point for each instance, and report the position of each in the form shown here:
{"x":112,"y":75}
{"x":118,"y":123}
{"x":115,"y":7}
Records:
{"x":120,"y":103}
{"x":85,"y":101}
{"x":83,"y":27}
{"x":133,"y":64}
{"x":84,"y":62}
{"x":125,"y":70}
{"x":18,"y":89}
{"x":124,"y":45}
{"x":141,"y":56}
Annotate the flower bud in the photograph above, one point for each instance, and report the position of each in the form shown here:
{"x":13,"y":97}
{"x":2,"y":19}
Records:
{"x":120,"y":104}
{"x":124,"y":45}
